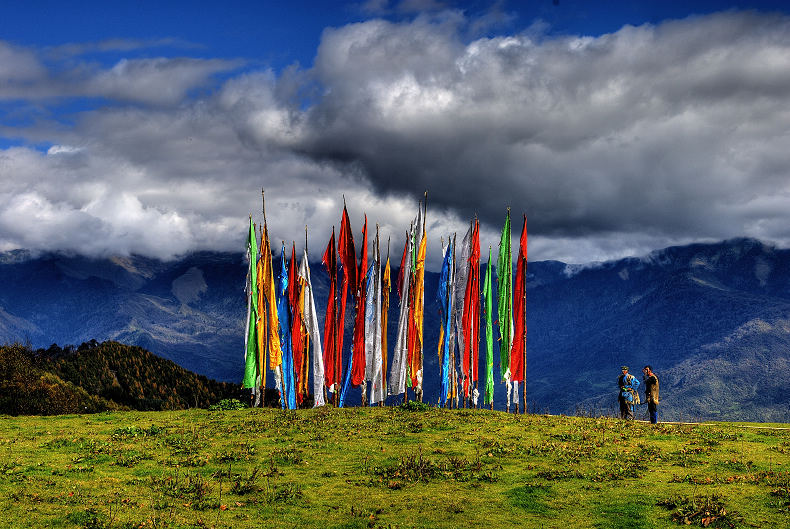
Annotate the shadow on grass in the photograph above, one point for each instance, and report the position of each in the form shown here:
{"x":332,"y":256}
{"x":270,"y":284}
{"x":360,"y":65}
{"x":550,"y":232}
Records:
{"x":625,"y":515}
{"x":530,"y":498}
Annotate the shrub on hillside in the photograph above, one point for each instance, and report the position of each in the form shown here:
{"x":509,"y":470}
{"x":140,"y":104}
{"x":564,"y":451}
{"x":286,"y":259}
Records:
{"x":227,"y":404}
{"x":27,"y":390}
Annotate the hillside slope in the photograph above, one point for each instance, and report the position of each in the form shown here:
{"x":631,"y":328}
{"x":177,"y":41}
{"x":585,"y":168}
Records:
{"x":97,"y":377}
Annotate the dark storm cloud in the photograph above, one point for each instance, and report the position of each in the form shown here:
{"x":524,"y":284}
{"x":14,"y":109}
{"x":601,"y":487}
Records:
{"x":612,"y":145}
{"x":666,"y":129}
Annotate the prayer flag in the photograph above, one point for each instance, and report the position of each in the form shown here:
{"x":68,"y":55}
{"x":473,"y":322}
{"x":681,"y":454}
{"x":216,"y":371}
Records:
{"x":397,"y":379}
{"x":283,"y":309}
{"x":250,"y":350}
{"x":445,"y":298}
{"x":504,"y":269}
{"x":386,"y":285}
{"x":330,"y":325}
{"x":373,"y":328}
{"x":518,"y":351}
{"x":311,"y":325}
{"x":488,"y":297}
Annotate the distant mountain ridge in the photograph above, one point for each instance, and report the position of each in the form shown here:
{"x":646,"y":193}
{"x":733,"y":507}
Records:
{"x":712,"y":319}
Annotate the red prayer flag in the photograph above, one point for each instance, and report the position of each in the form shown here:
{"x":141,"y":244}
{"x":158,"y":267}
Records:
{"x":297,"y":335}
{"x":518,"y":350}
{"x":358,"y":372}
{"x":330,"y":262}
{"x":474,"y":276}
{"x":471,"y":313}
{"x":348,"y":262}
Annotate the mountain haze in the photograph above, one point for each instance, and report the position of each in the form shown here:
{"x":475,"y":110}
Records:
{"x":712,"y":319}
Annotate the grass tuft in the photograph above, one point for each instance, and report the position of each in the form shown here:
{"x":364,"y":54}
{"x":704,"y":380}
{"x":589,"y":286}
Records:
{"x":702,"y":511}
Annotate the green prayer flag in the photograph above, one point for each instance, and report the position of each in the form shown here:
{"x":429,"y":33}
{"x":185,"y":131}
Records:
{"x":251,"y":349}
{"x":252,"y":248}
{"x":504,"y":268}
{"x":488,"y":301}
{"x":250,"y":360}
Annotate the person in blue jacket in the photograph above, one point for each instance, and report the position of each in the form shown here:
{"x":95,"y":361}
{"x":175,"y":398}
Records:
{"x":628,"y":396}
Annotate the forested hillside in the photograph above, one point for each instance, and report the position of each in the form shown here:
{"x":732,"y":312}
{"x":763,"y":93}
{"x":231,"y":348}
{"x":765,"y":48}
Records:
{"x":99,"y":376}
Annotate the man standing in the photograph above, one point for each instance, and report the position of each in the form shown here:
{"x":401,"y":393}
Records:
{"x":628,"y":395}
{"x":651,"y":393}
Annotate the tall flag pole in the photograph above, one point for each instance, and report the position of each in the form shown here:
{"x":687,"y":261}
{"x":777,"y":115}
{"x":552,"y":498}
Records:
{"x":273,"y":322}
{"x":373,"y":313}
{"x":474,"y":304}
{"x":297,"y":327}
{"x":421,"y":271}
{"x":504,"y":267}
{"x":355,"y":372}
{"x":412,"y":325}
{"x":462,"y":332}
{"x":488,"y":302}
{"x":452,"y":372}
{"x":313,"y":332}
{"x":396,"y":384}
{"x":260,"y":328}
{"x":416,"y":339}
{"x":349,"y":267}
{"x":386,"y":286}
{"x":304,"y":369}
{"x":329,"y":261}
{"x":524,"y":246}
{"x":283,"y":310}
{"x":358,"y":374}
{"x":517,"y":351}
{"x":445,"y":299}
{"x":250,"y":352}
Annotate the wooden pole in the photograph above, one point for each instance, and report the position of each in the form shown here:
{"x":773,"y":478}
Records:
{"x":507,"y":323}
{"x":264,"y":233}
{"x":453,"y":381}
{"x":341,"y":326}
{"x":385,"y":355}
{"x":264,"y":330}
{"x":471,"y":329}
{"x":477,"y":315}
{"x":524,"y":279}
{"x":422,"y":348}
{"x":263,"y":199}
{"x":306,"y":335}
{"x":408,"y":318}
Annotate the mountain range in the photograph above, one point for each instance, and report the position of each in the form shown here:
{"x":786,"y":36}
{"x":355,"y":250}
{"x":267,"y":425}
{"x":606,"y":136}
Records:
{"x":712,"y":319}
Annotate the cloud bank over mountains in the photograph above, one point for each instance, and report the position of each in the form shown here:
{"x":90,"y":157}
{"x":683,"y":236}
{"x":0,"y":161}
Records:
{"x":612,"y":145}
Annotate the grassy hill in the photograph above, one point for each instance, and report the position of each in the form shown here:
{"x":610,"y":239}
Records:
{"x":387,"y":467}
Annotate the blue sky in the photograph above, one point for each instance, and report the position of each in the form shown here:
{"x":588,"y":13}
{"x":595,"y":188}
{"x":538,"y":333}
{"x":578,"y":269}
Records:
{"x":617,"y":127}
{"x":279,"y":33}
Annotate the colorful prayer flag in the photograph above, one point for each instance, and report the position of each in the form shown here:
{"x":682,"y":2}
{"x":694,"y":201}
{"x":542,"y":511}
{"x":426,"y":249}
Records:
{"x":488,"y":302}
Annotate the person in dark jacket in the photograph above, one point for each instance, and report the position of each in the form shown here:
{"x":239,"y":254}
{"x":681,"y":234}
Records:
{"x":628,"y":396}
{"x":651,"y":393}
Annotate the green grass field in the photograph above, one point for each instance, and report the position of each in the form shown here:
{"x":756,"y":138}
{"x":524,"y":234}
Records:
{"x":386,"y":467}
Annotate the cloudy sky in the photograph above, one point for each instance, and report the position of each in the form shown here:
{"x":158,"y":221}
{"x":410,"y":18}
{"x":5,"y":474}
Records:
{"x":132,"y":127}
